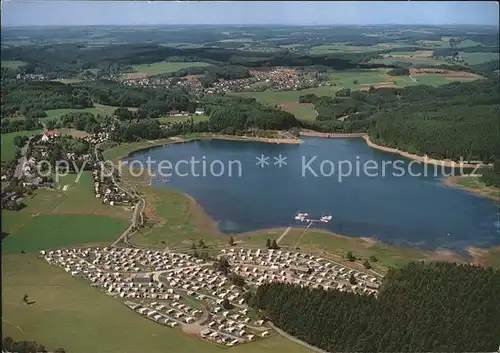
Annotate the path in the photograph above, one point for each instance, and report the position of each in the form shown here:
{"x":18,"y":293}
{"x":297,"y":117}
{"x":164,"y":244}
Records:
{"x":18,"y":173}
{"x":413,"y":79}
{"x":283,"y":235}
{"x":136,"y":219}
{"x":10,"y":323}
{"x":296,"y":340}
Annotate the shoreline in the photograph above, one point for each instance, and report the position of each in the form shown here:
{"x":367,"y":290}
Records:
{"x":474,"y":255}
{"x":311,"y":133}
{"x":452,"y":182}
{"x":422,"y":159}
{"x":187,"y":138}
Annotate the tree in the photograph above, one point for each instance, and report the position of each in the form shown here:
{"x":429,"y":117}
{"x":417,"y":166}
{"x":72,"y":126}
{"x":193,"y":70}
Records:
{"x":350,"y":256}
{"x":231,"y":240}
{"x":373,"y":258}
{"x":222,"y":265}
{"x":268,"y":243}
{"x":18,"y":141}
{"x":202,"y":244}
{"x":352,"y":279}
{"x":367,"y":264}
{"x":59,"y":350}
{"x":237,"y":280}
{"x":7,"y":343}
{"x":274,"y":245}
{"x":226,"y":304}
{"x":355,"y":82}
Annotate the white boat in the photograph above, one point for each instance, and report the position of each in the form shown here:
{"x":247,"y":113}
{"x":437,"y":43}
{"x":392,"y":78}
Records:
{"x":326,"y":219}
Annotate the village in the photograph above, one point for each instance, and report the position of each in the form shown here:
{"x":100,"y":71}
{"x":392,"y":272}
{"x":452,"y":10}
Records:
{"x":180,"y":290}
{"x":71,"y":154}
{"x":279,"y":78}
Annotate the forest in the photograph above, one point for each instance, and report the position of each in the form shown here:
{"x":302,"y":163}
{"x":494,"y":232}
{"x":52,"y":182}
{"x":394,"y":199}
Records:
{"x":452,"y":121}
{"x":423,"y":307}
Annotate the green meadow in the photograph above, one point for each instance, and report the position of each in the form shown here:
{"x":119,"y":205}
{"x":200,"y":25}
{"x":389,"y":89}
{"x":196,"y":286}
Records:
{"x":8,"y":147}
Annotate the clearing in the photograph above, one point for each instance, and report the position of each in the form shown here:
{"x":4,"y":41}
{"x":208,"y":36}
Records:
{"x":196,"y":118}
{"x":97,"y":109}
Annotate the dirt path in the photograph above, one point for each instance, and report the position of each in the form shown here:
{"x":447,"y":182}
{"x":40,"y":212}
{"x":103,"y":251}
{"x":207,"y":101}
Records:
{"x":283,"y":235}
{"x":296,"y":340}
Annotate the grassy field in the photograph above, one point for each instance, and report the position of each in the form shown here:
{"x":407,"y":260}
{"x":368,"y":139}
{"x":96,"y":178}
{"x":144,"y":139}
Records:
{"x":60,"y":230}
{"x":411,"y":61}
{"x":346,"y":48}
{"x":303,"y":111}
{"x":196,"y":118}
{"x":69,"y":313}
{"x":473,"y":184}
{"x":58,"y":217}
{"x":97,"y":109}
{"x":12,"y":64}
{"x":8,"y":147}
{"x":165,"y":67}
{"x":478,"y":58}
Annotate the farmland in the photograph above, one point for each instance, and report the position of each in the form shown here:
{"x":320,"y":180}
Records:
{"x":63,"y":217}
{"x":196,"y":118}
{"x":98,"y":109}
{"x":478,"y":58}
{"x":12,"y":64}
{"x":346,"y":48}
{"x":8,"y":147}
{"x":354,"y":80}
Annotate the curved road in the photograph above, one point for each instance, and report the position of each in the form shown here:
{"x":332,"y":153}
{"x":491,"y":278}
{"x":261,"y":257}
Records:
{"x":296,"y":340}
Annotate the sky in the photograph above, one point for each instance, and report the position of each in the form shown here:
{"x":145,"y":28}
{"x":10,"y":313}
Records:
{"x":71,"y":12}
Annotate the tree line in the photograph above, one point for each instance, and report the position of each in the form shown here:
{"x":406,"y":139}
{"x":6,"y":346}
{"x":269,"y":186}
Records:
{"x":451,"y":121}
{"x":10,"y":345}
{"x":423,"y":307}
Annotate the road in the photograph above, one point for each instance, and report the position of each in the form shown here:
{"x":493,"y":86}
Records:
{"x":296,"y":340}
{"x":283,"y":235}
{"x":136,"y":219}
{"x":19,"y":168}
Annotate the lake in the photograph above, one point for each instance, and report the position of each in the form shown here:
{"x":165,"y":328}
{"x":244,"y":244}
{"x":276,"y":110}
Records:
{"x":385,"y":197}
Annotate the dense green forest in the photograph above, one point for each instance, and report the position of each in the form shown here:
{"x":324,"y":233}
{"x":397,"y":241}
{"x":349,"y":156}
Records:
{"x":451,"y":121}
{"x":423,"y":307}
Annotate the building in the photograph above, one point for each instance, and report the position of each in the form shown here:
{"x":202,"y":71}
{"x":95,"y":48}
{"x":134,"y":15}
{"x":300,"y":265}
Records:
{"x":48,"y":135}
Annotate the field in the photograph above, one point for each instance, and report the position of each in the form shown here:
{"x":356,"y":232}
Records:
{"x":478,"y":58}
{"x":473,"y":184}
{"x":57,"y":217}
{"x":8,"y":147}
{"x":97,"y":109}
{"x":61,"y":230}
{"x":288,"y":100}
{"x":162,"y":68}
{"x":196,"y":118}
{"x":86,"y":320}
{"x":346,"y":48}
{"x":303,"y":111}
{"x":12,"y":64}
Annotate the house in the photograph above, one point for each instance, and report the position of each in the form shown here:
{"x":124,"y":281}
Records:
{"x":48,"y":135}
{"x":199,"y":111}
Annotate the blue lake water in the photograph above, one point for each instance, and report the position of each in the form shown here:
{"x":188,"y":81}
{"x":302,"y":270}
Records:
{"x":377,"y":201}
